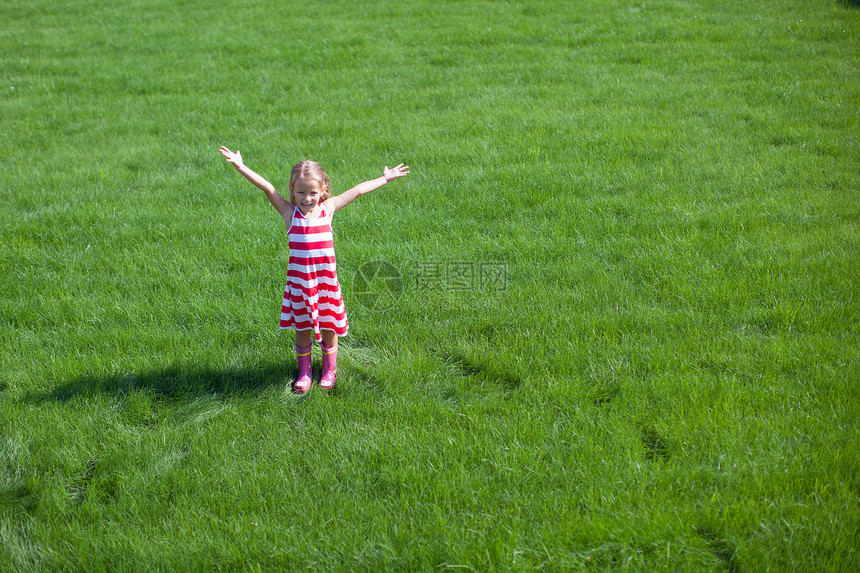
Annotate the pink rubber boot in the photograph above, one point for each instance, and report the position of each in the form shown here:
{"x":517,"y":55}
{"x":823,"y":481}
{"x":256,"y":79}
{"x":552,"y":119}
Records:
{"x":303,"y":382}
{"x":329,"y":373}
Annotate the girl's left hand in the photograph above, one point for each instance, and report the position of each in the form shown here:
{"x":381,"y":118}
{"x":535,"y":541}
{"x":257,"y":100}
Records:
{"x":399,"y":171}
{"x":234,"y":158}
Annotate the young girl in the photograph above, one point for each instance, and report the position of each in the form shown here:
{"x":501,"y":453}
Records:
{"x":313,"y":304}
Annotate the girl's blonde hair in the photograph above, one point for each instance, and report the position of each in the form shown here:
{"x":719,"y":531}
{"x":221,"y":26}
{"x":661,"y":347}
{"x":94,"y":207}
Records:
{"x":310,"y":170}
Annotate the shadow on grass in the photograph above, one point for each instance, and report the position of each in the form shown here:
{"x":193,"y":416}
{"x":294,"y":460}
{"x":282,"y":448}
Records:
{"x":177,"y":382}
{"x":723,"y":549}
{"x":509,"y":382}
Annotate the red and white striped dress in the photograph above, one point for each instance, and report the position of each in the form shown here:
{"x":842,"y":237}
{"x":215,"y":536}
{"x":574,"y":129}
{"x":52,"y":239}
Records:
{"x":312,"y":297}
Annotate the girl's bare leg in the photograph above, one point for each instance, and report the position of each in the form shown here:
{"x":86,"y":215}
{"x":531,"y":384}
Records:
{"x":329,"y":337}
{"x":304,"y":338}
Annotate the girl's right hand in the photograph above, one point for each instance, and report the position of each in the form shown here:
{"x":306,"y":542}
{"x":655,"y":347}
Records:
{"x":234,"y":158}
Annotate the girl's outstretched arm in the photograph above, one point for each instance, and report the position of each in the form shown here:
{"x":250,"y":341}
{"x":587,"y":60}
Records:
{"x":283,"y":206}
{"x":347,"y":197}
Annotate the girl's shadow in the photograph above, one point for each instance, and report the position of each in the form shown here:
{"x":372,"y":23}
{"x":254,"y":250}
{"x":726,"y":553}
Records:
{"x":178,"y":382}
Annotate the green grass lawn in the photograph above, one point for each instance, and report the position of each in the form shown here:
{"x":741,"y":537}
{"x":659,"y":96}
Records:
{"x":625,"y":335}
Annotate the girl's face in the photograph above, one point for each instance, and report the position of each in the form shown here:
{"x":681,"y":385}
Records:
{"x":306,"y":194}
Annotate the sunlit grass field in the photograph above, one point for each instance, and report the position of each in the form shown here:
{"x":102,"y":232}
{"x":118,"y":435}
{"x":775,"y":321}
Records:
{"x":620,"y":333}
